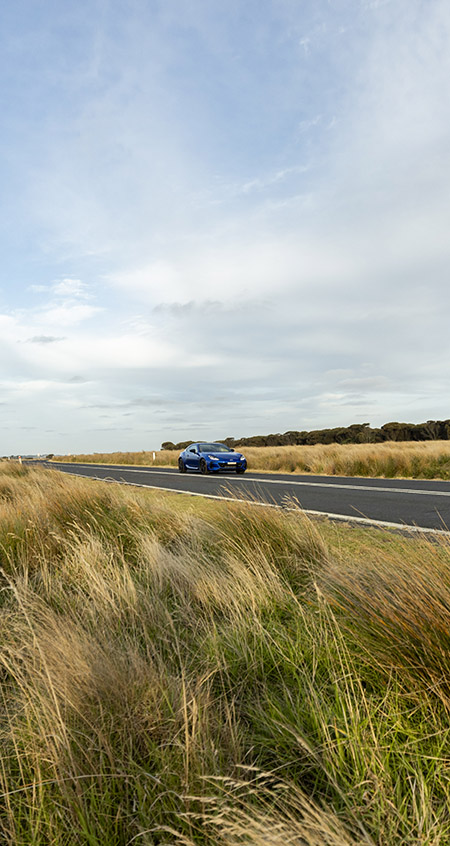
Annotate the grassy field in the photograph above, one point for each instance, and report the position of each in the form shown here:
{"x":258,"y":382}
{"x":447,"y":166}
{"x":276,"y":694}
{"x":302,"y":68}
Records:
{"x":179,"y":671}
{"x":414,"y":460}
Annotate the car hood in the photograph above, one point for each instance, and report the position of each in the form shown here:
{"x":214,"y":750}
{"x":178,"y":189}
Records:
{"x":225,"y":456}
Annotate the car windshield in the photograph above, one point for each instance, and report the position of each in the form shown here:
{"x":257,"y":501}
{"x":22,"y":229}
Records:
{"x":213,"y":448}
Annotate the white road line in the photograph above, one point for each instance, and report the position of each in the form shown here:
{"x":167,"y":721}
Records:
{"x":343,"y":517}
{"x":249,"y":481}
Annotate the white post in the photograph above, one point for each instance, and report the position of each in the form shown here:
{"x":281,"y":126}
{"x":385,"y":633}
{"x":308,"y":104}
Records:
{"x":154,"y":456}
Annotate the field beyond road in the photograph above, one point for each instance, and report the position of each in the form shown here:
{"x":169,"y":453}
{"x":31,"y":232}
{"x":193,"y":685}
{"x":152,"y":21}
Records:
{"x":184,"y":671}
{"x":407,"y":460}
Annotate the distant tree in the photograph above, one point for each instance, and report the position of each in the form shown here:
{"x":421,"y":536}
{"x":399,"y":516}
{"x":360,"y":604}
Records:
{"x":397,"y":431}
{"x":356,"y":433}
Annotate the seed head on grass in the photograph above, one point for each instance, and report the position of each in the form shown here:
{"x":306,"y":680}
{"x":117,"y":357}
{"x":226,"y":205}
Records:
{"x":264,"y":811}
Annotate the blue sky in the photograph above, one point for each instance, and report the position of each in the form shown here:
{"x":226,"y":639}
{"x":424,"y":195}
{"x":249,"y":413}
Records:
{"x":221,"y":218}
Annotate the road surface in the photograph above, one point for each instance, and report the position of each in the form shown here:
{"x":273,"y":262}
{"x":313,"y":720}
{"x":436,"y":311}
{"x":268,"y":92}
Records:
{"x":396,"y":502}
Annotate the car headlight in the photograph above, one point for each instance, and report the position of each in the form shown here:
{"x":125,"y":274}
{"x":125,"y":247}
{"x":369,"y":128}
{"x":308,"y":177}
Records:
{"x":213,"y":457}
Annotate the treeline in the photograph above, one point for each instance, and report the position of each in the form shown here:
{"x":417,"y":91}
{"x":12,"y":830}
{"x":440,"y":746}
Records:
{"x":357,"y":433}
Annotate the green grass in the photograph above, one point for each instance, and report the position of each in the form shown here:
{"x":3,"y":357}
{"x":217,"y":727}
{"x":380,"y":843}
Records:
{"x":182,"y":671}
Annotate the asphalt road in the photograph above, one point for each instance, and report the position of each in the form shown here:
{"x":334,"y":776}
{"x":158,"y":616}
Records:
{"x":397,"y":502}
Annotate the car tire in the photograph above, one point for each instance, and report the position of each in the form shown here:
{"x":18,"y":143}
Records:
{"x":181,"y":466}
{"x":203,"y":466}
{"x":240,"y":469}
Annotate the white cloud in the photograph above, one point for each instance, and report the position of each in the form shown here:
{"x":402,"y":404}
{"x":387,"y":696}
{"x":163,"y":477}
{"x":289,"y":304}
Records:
{"x":310,"y":123}
{"x":66,"y":287}
{"x":44,"y":339}
{"x":67,"y":314}
{"x":72,"y":288}
{"x":236,"y":270}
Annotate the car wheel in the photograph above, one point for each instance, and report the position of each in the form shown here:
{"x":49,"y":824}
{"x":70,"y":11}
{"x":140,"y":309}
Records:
{"x":240,"y":469}
{"x":203,"y":466}
{"x":181,"y":466}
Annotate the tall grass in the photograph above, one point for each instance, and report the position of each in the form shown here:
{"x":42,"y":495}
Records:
{"x":216,"y":674}
{"x":415,"y":460}
{"x":163,"y":458}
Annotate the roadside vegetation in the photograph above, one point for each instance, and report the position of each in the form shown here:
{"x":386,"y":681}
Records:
{"x":182,"y":671}
{"x":411,"y":459}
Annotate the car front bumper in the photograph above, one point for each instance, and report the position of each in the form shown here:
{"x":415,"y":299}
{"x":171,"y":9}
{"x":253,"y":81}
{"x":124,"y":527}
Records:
{"x":228,"y":465}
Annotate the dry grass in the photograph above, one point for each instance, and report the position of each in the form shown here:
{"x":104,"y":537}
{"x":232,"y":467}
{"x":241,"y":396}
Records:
{"x":163,"y":458}
{"x":427,"y":459}
{"x":216,"y":674}
{"x":414,"y":460}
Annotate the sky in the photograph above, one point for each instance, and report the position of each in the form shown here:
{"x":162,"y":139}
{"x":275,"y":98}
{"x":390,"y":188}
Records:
{"x":221,"y":218}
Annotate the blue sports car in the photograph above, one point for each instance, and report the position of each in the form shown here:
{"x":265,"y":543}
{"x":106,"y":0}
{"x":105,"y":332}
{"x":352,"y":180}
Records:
{"x":210,"y":458}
